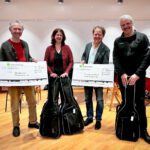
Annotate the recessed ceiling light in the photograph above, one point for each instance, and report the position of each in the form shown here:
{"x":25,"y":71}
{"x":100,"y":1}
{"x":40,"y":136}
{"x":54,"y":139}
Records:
{"x":120,"y":1}
{"x":60,"y":1}
{"x":7,"y":1}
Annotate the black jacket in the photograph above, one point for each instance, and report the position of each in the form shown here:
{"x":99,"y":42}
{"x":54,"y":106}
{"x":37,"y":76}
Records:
{"x":131,"y":55}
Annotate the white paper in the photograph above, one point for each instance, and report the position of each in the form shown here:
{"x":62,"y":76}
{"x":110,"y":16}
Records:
{"x":148,"y":72}
{"x":96,"y":75}
{"x":23,"y":73}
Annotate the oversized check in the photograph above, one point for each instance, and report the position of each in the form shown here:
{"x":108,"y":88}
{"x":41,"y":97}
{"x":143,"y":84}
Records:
{"x":148,"y":72}
{"x":96,"y":75}
{"x":23,"y":73}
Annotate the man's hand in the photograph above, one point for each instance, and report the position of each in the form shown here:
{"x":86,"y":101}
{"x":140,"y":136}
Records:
{"x":34,"y":60}
{"x":124,"y":79}
{"x":82,"y":62}
{"x":132,"y":80}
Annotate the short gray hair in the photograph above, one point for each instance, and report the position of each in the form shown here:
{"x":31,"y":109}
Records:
{"x":126,"y":17}
{"x":15,"y":22}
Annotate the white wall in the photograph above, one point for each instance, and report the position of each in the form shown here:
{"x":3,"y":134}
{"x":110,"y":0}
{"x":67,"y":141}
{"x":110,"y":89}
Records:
{"x":38,"y":34}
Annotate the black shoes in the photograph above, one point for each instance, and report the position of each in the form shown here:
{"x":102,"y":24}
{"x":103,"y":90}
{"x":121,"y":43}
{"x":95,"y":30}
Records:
{"x":145,"y":136}
{"x":88,"y":121}
{"x":35,"y":125}
{"x":97,"y":125}
{"x":16,"y":131}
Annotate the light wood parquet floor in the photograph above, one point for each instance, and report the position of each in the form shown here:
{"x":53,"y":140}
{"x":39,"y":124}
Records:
{"x":90,"y":139}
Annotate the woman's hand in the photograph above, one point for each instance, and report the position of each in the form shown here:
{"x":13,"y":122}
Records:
{"x":64,"y":75}
{"x":53,"y":75}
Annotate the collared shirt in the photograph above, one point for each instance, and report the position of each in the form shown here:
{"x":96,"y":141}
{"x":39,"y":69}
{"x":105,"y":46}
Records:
{"x":92,"y":54}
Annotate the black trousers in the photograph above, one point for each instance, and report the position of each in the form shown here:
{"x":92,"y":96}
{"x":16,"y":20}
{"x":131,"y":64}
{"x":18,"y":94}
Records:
{"x":139,"y":100}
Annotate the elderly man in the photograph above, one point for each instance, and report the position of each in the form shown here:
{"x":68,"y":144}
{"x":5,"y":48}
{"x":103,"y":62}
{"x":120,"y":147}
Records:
{"x":15,"y":49}
{"x":131,"y":59}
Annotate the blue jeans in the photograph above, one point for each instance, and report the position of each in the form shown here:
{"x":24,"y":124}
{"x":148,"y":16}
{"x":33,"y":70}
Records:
{"x":88,"y":91}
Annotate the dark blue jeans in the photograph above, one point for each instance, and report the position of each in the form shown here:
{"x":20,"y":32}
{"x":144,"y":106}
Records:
{"x":88,"y":91}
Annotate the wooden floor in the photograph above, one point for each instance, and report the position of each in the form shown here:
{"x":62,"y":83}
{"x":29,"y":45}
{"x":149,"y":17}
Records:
{"x":90,"y":139}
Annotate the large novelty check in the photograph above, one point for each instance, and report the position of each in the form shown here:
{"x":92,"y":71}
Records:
{"x":23,"y":73}
{"x":96,"y":75}
{"x":148,"y":72}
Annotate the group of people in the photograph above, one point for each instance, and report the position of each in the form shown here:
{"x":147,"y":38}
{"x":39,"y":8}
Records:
{"x":131,"y":57}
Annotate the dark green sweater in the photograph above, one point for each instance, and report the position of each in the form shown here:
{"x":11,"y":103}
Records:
{"x":8,"y":52}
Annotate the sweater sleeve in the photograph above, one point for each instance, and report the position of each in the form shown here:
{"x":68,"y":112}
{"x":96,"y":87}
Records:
{"x":46,"y":58}
{"x":1,"y":54}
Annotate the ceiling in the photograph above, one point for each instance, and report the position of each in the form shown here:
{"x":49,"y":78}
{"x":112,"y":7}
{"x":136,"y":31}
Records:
{"x":74,"y":9}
